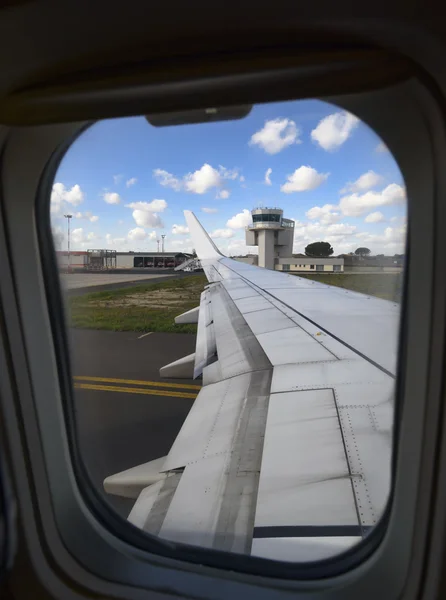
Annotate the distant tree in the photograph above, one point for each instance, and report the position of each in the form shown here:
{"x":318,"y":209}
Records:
{"x":362,"y":251}
{"x":319,"y":250}
{"x":398,"y":255}
{"x":380,"y":255}
{"x":194,"y":254}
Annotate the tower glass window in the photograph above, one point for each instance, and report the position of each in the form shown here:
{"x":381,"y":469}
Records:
{"x":266,"y":218}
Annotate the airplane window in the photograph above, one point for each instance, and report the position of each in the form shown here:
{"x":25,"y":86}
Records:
{"x":233,"y":294}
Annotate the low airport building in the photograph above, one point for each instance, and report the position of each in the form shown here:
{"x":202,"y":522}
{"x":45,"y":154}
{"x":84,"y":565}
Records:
{"x":104,"y":260}
{"x":308,"y":265}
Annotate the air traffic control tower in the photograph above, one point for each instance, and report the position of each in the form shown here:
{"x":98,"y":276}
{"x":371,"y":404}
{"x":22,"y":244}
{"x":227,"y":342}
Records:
{"x":272,"y":233}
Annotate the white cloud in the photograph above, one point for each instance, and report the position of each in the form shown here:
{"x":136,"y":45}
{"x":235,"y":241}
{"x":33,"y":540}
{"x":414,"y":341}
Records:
{"x":61,"y":195}
{"x":336,"y":229}
{"x":276,"y":135}
{"x":118,"y":243}
{"x":77,"y":236}
{"x":74,"y":196}
{"x":179,"y":229}
{"x":202,"y":180}
{"x":182,"y":245}
{"x":145,"y":218}
{"x":356,"y":205}
{"x":381,"y":147}
{"x":267,"y":176}
{"x":86,"y":215}
{"x":137,"y":234}
{"x":345,"y":237}
{"x":365,"y":182}
{"x":332,"y":131}
{"x":156,"y":205}
{"x":303,"y":179}
{"x":391,"y":241}
{"x":131,"y":181}
{"x":208,"y":210}
{"x":177,"y":243}
{"x":320,"y":231}
{"x":241,"y":178}
{"x":228,"y":173}
{"x":167,"y":179}
{"x":56,"y":202}
{"x":146,"y":213}
{"x":325,"y":214}
{"x":117,"y":179}
{"x":222,"y":233}
{"x":112,"y":198}
{"x":340,"y":235}
{"x":237,"y":247}
{"x":374,"y":217}
{"x":152,"y":235}
{"x":58,"y":237}
{"x":223,"y":194}
{"x":240,"y":220}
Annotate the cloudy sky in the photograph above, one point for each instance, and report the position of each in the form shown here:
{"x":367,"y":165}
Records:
{"x":126,"y":182}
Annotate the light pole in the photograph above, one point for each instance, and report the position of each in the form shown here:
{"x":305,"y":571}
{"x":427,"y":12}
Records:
{"x":68,"y":218}
{"x":158,"y":242}
{"x":162,"y":245}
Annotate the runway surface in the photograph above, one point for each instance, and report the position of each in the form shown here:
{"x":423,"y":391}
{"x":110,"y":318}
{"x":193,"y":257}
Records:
{"x":85,"y":280}
{"x":126,"y":413}
{"x":103,"y":283}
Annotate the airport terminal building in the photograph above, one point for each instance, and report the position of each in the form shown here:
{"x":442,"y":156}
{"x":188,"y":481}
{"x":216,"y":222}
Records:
{"x":104,"y":260}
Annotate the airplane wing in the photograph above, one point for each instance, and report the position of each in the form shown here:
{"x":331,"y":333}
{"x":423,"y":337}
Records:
{"x":286,"y":451}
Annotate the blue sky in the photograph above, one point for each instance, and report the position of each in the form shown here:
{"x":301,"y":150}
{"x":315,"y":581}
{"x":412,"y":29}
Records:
{"x":126,"y":182}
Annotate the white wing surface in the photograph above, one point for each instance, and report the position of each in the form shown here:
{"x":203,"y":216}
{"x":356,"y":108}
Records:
{"x":286,"y":451}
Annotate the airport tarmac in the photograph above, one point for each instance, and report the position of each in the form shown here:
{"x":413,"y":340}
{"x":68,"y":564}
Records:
{"x":126,"y":413}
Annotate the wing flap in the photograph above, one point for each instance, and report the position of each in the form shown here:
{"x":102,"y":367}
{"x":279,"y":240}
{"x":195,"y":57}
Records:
{"x":307,"y":504}
{"x":210,"y":425}
{"x":144,"y":504}
{"x":305,"y":478}
{"x":193,"y":512}
{"x":206,"y":349}
{"x":213,"y":504}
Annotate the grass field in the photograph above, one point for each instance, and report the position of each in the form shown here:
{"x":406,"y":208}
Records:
{"x":146,"y":307}
{"x":153,"y":307}
{"x":382,"y":285}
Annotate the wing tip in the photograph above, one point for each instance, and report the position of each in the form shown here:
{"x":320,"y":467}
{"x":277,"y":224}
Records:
{"x":204,"y":245}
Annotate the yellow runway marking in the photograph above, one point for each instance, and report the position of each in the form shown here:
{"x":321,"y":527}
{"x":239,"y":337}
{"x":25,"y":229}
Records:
{"x":182,"y":386}
{"x":133,"y":390}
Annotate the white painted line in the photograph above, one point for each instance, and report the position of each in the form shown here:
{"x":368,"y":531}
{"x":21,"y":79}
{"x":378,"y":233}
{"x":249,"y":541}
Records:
{"x":144,"y":334}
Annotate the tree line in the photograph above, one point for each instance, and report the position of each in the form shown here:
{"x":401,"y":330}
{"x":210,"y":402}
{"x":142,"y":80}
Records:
{"x":324,"y":250}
